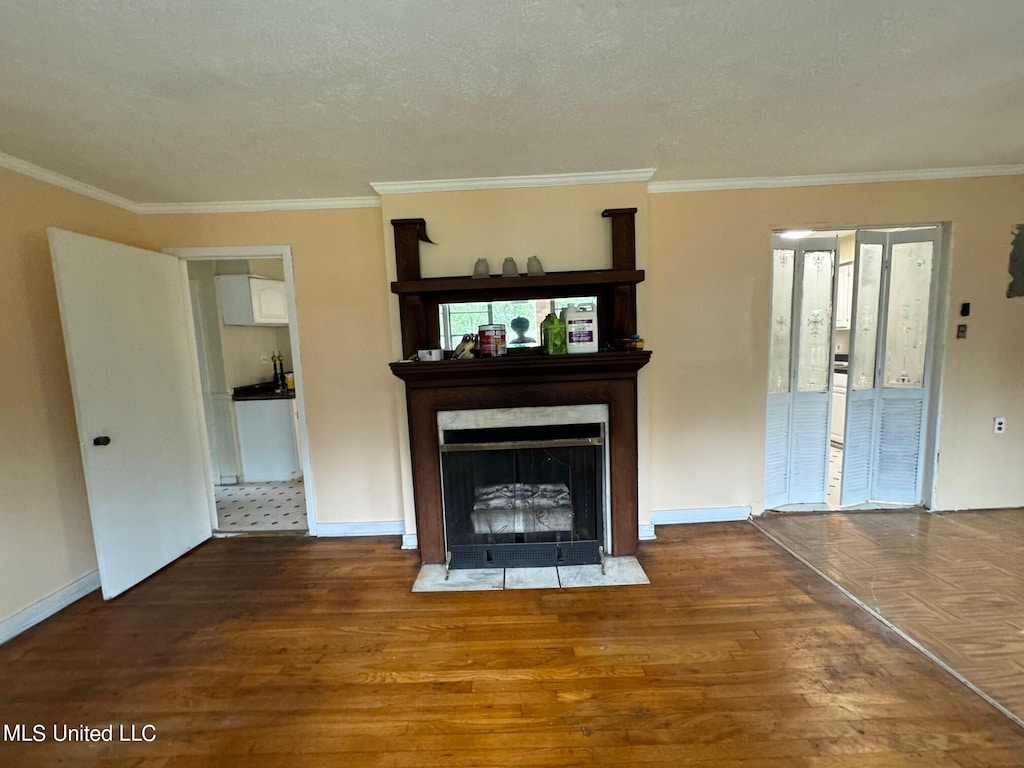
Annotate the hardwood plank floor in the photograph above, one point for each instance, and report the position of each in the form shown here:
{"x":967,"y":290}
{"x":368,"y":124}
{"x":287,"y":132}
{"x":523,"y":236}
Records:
{"x":298,"y":652}
{"x":954,"y":582}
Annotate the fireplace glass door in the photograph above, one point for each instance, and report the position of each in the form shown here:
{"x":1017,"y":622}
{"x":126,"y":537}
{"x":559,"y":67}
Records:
{"x":523,"y":496}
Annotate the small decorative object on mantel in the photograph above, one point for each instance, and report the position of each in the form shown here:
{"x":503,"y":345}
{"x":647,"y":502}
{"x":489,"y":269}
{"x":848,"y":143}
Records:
{"x":631,"y":343}
{"x":509,"y":268}
{"x":464,"y":350}
{"x":553,"y":335}
{"x":534,"y":267}
{"x":491,"y":340}
{"x":481,"y":268}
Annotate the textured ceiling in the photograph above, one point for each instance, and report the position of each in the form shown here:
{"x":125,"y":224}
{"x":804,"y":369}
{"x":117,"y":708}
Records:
{"x":211,"y":100}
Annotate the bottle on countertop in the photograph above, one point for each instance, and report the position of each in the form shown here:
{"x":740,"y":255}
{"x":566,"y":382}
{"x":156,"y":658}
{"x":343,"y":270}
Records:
{"x":279,"y":380}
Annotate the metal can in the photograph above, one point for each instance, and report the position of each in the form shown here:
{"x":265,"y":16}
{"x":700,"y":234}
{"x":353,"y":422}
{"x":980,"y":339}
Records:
{"x":492,"y":340}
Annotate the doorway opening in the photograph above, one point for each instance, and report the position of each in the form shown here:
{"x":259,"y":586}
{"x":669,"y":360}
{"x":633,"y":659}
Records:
{"x":247,"y":342}
{"x":852,"y":368}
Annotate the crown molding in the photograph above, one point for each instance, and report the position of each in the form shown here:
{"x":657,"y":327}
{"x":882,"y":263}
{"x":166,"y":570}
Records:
{"x":240,"y":206}
{"x":511,"y":182}
{"x":775,"y":182}
{"x":259,"y":206}
{"x":50,"y":177}
{"x":500,"y":182}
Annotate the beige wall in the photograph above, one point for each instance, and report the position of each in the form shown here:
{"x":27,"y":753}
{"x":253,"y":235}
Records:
{"x":342,"y":315}
{"x":703,"y":311}
{"x":341,"y":293}
{"x":562,"y":225}
{"x":709,"y":310}
{"x":45,"y":533}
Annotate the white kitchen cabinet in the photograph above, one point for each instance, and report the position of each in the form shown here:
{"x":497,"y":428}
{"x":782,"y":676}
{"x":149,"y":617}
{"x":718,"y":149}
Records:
{"x":266,"y":440}
{"x":839,"y":381}
{"x":251,"y":300}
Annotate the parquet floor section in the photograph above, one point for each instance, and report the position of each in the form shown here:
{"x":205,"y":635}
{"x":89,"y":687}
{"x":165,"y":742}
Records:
{"x":303,"y":652}
{"x":954,"y":582}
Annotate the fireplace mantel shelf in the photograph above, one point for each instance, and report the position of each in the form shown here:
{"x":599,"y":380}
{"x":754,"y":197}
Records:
{"x":420,"y":298}
{"x":560,"y":281}
{"x":521,"y":368}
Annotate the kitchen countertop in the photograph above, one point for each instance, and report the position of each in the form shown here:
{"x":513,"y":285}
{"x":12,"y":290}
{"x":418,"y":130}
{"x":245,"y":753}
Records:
{"x":264,"y":391}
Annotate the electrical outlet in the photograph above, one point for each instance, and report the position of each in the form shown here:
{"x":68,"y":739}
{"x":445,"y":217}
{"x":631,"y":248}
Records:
{"x":264,"y":359}
{"x":999,"y":425}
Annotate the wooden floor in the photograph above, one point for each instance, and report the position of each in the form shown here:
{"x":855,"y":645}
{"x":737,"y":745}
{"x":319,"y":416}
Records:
{"x":953,"y":582}
{"x":300,"y":652}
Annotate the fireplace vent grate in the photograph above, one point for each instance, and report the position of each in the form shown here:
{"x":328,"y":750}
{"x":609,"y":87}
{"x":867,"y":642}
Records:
{"x":525,"y":555}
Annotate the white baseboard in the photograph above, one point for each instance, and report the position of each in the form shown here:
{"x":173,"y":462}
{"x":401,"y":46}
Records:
{"x":376,"y":528}
{"x":712,"y":515}
{"x":43,"y":609}
{"x":646,"y":532}
{"x":410,"y":541}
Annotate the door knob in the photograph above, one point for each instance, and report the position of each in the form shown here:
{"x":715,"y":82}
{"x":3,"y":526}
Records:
{"x":101,"y":440}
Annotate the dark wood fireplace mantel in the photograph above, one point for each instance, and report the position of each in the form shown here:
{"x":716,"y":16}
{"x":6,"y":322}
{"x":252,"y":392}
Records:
{"x":517,"y":382}
{"x":519,"y":369}
{"x":520,"y":380}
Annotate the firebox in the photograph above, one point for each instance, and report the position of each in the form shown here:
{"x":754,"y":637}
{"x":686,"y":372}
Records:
{"x":523,"y":496}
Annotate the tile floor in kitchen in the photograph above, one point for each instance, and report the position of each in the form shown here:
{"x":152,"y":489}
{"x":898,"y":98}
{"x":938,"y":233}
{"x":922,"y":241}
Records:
{"x":261,"y":507}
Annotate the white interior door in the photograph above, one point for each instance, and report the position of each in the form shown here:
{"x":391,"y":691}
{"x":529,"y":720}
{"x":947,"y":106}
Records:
{"x":204,"y":376}
{"x":860,"y":436}
{"x":130,"y":347}
{"x":889,"y":366}
{"x":800,"y":371}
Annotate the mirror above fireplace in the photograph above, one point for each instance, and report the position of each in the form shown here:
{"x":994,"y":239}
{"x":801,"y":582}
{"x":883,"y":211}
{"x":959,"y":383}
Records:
{"x":459,"y":318}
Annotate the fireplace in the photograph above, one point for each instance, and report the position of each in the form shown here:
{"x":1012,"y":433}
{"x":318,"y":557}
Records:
{"x":485,"y":485}
{"x":523,"y":486}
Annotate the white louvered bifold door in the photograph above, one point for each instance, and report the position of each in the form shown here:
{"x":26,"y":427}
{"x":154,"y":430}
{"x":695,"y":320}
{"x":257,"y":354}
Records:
{"x":904,"y":360}
{"x":776,"y":491}
{"x":860,"y":437}
{"x":800,"y":371}
{"x":898,"y":455}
